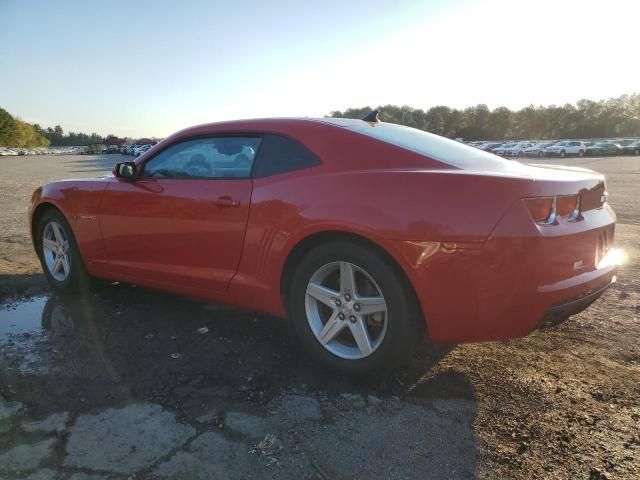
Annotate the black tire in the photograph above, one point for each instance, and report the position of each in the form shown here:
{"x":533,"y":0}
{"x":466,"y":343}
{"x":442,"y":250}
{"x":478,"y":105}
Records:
{"x":540,"y":154}
{"x":581,"y":153}
{"x":562,"y":153}
{"x":78,"y":280}
{"x":405,"y":324}
{"x":636,"y":152}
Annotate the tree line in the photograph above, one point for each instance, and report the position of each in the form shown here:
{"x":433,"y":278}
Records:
{"x":616,"y":117}
{"x":16,"y":133}
{"x":58,"y":138}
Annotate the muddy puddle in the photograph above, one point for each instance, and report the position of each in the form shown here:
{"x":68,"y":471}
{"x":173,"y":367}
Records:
{"x":23,"y":317}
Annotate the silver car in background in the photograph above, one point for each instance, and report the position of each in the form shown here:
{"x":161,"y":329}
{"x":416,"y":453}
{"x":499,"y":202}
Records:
{"x":537,"y":149}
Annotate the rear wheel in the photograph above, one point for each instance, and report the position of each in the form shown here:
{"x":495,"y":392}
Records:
{"x":562,"y":153}
{"x":59,"y":254}
{"x":540,"y":154}
{"x":352,"y":310}
{"x":581,"y":153}
{"x":636,"y":152}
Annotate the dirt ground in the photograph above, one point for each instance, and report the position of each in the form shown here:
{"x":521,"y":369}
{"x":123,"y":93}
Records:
{"x":131,"y":383}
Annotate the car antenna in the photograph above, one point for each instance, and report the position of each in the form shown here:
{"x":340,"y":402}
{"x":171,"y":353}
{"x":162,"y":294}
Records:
{"x":372,"y":117}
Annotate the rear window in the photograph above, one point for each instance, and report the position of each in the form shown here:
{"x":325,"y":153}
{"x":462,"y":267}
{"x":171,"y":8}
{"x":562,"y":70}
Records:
{"x":433,"y":146}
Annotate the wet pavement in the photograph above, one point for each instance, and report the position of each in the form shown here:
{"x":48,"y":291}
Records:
{"x":129,"y":383}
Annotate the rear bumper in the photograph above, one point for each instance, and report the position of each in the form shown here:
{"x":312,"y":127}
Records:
{"x":560,"y":312}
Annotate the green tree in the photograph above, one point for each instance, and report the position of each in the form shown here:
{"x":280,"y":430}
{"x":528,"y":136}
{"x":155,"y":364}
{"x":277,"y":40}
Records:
{"x":8,"y":129}
{"x":500,"y":123}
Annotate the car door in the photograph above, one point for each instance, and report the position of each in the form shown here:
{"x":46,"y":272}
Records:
{"x":182,"y":219}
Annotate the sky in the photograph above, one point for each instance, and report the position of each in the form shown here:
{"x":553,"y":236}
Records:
{"x":149,"y":68}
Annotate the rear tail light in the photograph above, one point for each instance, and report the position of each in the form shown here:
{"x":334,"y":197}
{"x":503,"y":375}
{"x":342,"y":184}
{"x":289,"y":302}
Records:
{"x":568,"y":206}
{"x":542,"y":209}
{"x":546,"y":210}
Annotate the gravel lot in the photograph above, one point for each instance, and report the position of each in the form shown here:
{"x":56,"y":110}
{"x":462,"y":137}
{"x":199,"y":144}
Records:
{"x":131,"y":383}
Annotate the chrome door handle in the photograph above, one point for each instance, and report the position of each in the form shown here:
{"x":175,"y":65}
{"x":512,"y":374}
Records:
{"x":226,"y":202}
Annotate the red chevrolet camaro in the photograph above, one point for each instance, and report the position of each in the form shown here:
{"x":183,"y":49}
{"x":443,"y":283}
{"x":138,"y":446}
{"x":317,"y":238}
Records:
{"x":364,"y":234}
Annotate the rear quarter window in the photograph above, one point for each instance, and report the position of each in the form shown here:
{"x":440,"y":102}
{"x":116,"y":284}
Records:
{"x":279,"y":154}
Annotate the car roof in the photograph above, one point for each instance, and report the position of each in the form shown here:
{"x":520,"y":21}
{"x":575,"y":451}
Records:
{"x":274,"y":122}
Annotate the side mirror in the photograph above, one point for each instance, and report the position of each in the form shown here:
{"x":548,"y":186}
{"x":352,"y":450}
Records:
{"x":125,"y":170}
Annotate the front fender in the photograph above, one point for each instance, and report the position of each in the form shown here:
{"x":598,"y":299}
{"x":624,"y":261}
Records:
{"x":79,"y":202}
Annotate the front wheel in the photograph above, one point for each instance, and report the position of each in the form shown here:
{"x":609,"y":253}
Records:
{"x":352,"y":310}
{"x":59,"y":254}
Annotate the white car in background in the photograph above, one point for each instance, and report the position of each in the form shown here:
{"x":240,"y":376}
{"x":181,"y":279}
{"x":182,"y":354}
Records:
{"x":569,"y":147}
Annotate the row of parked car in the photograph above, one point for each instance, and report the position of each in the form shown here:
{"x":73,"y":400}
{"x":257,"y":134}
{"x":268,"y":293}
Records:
{"x":135,"y":149}
{"x":6,"y":152}
{"x":561,"y":148}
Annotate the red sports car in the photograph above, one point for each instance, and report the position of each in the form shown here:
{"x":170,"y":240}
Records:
{"x":364,"y":234}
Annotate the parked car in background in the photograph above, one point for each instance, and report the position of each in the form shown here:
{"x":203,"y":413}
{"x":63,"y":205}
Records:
{"x":537,"y":149}
{"x":501,"y":149}
{"x":569,"y":147}
{"x":632,"y":148}
{"x":604,"y":148}
{"x":110,"y":149}
{"x":489,"y":146}
{"x":517,"y":150}
{"x":141,"y":149}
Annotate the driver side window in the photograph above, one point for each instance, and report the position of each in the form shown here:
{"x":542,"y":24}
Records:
{"x":214,"y":157}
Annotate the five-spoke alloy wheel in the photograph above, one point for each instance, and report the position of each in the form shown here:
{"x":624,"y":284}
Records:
{"x":353,"y":308}
{"x":55,"y":249}
{"x":346,"y":310}
{"x":59,"y":254}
